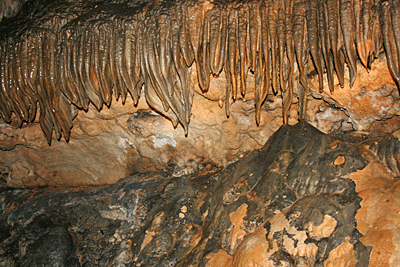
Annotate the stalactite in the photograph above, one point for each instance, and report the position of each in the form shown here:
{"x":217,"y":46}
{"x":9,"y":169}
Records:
{"x":325,"y":44}
{"x":203,"y":64}
{"x":264,"y":56}
{"x":289,"y":44}
{"x":388,"y":33}
{"x":299,"y":29}
{"x":273,"y":16}
{"x":314,"y":40}
{"x":233,"y":51}
{"x":242,"y":39}
{"x":333,"y":30}
{"x":374,"y":33}
{"x":71,"y":54}
{"x":347,"y":25}
{"x":281,"y":46}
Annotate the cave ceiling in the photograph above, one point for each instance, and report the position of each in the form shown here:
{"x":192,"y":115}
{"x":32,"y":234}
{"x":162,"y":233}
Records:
{"x":58,"y":57}
{"x":140,"y":86}
{"x":196,"y":104}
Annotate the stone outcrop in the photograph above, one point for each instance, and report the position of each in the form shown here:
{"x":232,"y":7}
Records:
{"x":303,"y":199}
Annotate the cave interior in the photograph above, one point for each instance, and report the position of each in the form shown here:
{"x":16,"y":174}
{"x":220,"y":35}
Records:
{"x":199,"y":133}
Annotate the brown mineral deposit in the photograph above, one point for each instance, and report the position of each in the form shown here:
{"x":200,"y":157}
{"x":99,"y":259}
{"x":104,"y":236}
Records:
{"x":324,"y":230}
{"x":237,"y":232}
{"x":378,"y":219}
{"x":342,"y":256}
{"x":255,"y":251}
{"x":219,"y":259}
{"x":339,"y":160}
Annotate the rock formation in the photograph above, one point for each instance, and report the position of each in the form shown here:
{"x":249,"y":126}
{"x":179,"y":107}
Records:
{"x":72,"y":54}
{"x":304,"y":199}
{"x":45,"y":42}
{"x":229,"y":182}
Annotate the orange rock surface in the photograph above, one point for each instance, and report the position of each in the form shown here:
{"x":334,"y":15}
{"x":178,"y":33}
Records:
{"x":378,"y":219}
{"x":116,"y":142}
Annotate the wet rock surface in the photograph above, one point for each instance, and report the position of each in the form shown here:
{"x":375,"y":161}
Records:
{"x":177,"y":60}
{"x":129,"y":139}
{"x":372,"y":99}
{"x":298,"y":201}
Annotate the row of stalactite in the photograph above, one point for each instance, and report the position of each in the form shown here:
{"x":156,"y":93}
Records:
{"x":71,"y":54}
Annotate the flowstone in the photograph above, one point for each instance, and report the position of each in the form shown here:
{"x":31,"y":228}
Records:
{"x":298,"y":201}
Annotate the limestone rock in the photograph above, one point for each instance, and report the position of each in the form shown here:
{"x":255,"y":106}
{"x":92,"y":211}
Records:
{"x":374,"y":97}
{"x":122,"y":140}
{"x":111,"y":144}
{"x":304,"y":199}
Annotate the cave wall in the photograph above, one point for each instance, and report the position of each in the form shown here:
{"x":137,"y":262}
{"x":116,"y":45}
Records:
{"x":121,"y":140}
{"x":110,"y":132}
{"x":211,"y":194}
{"x":303,"y":199}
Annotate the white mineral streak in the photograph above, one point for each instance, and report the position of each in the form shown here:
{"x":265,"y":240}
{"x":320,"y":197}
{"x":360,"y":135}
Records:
{"x":164,"y":139}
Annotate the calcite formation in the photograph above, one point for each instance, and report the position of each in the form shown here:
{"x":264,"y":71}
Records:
{"x":130,"y":137}
{"x":111,"y":75}
{"x":304,"y":199}
{"x":68,"y":55}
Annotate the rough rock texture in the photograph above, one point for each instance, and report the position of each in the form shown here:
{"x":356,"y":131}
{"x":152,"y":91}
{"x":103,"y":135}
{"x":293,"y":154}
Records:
{"x":128,"y":139}
{"x":304,"y":199}
{"x":373,"y":98}
{"x":8,"y":8}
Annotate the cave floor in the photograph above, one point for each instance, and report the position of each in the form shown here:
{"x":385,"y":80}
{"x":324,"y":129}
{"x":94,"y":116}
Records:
{"x":304,"y":199}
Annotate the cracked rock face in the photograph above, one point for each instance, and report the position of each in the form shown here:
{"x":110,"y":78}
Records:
{"x":373,"y":98}
{"x":304,"y":199}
